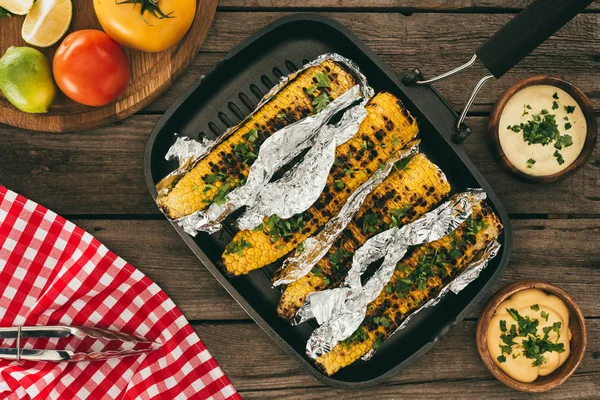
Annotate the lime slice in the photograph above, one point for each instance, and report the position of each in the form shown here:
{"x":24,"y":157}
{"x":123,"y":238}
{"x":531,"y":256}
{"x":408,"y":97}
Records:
{"x":47,"y":22}
{"x":18,"y":7}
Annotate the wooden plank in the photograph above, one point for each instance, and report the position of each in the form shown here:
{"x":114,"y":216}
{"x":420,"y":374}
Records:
{"x":260,"y":369}
{"x":387,"y":5}
{"x":101,"y":172}
{"x":577,"y":387}
{"x":562,"y":252}
{"x":432,"y":42}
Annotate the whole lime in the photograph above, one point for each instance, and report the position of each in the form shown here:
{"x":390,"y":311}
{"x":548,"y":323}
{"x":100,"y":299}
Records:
{"x":26,"y":80}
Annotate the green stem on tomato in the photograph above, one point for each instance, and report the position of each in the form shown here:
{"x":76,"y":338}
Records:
{"x":148,"y":5}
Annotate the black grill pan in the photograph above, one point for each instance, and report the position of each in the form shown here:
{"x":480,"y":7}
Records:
{"x":230,"y":91}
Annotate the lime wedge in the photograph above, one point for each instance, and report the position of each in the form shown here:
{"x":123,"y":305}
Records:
{"x":47,"y":22}
{"x":18,"y":7}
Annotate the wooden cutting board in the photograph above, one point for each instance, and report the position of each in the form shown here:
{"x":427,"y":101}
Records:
{"x":151,"y":73}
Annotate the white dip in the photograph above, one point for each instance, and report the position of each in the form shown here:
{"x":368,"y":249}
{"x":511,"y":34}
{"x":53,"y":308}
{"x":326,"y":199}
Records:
{"x":534,"y":115}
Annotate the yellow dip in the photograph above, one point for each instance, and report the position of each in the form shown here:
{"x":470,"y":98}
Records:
{"x":545,"y":106}
{"x":528,"y":319}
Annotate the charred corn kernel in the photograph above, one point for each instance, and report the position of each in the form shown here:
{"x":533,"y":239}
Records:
{"x":417,"y":278}
{"x":387,"y":127}
{"x":413,"y":187}
{"x":229,"y":163}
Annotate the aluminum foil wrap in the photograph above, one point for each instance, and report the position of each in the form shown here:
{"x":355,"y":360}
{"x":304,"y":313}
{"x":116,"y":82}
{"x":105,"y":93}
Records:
{"x":303,"y":184}
{"x":316,"y":247}
{"x":468,"y":275}
{"x":340,"y":311}
{"x":187,"y":151}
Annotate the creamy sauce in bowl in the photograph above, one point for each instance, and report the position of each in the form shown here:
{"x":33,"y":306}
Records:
{"x":528,"y":336}
{"x":542,"y":130}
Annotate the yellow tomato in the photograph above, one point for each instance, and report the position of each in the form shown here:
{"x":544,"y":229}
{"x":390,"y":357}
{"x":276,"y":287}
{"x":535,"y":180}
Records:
{"x":124,"y":23}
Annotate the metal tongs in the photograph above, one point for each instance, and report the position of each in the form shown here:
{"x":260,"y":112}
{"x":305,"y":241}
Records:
{"x":18,"y":353}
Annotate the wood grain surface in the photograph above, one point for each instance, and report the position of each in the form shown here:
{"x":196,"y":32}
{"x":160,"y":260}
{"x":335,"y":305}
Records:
{"x":151,"y":73}
{"x":388,"y":5}
{"x":95,"y":178}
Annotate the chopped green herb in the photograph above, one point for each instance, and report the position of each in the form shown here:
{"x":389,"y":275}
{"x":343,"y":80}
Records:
{"x":396,"y":142}
{"x":397,"y":214}
{"x":566,"y":118}
{"x":251,"y":135}
{"x":455,"y":254}
{"x":527,"y":106}
{"x":322,"y":82}
{"x":259,"y":228}
{"x":281,"y":116}
{"x":503,"y":325}
{"x":300,"y":248}
{"x":530,"y":162}
{"x":402,"y":164}
{"x":559,"y":157}
{"x":320,"y":102}
{"x":535,"y":307}
{"x":501,"y":358}
{"x":237,"y":247}
{"x":568,"y":126}
{"x":212,"y":178}
{"x":555,"y":95}
{"x":4,"y":13}
{"x":506,"y":349}
{"x":555,"y":105}
{"x":570,"y":109}
{"x":279,"y":228}
{"x":339,"y":256}
{"x":383,"y":321}
{"x":545,"y":315}
{"x":370,"y":222}
{"x":378,"y":341}
{"x":244,"y":153}
{"x":339,"y":184}
{"x":563,"y":141}
{"x":555,"y":327}
{"x":359,"y":335}
{"x":221,"y":196}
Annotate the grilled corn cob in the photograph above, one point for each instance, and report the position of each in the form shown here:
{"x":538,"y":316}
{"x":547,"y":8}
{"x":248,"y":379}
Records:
{"x":413,"y":187}
{"x":229,"y":162}
{"x":387,"y":127}
{"x":417,"y":278}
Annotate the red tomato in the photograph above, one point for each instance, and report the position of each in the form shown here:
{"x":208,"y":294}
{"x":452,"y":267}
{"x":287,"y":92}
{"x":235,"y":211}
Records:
{"x":91,"y":68}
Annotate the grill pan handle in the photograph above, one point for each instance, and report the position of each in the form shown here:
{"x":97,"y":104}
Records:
{"x":525,"y":32}
{"x":507,"y":47}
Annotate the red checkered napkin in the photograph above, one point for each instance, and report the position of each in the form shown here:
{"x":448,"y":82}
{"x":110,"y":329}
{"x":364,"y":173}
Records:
{"x":54,"y":273}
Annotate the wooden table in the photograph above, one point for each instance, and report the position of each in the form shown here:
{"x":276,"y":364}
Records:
{"x":95,"y":179}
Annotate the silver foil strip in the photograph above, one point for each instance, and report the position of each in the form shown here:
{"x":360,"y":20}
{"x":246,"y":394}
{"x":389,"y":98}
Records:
{"x":468,"y":275}
{"x":301,"y":187}
{"x":187,"y":151}
{"x":278,"y":150}
{"x":340,"y":311}
{"x":316,"y":247}
{"x":165,"y":185}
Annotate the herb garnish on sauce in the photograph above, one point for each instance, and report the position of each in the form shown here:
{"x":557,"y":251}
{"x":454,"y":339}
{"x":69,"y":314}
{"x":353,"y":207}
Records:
{"x":534,"y":346}
{"x":542,"y":129}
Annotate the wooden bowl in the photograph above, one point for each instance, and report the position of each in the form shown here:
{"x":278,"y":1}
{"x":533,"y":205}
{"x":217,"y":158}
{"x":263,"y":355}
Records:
{"x":578,"y":340}
{"x":586,"y":108}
